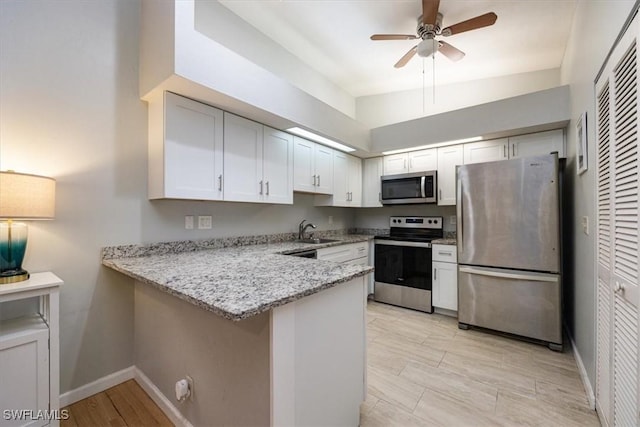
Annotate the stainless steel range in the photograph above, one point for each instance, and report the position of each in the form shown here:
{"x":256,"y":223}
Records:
{"x":403,"y":262}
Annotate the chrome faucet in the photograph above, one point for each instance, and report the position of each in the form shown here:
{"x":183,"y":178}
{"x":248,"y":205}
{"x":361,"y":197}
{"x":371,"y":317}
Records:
{"x":302,"y":228}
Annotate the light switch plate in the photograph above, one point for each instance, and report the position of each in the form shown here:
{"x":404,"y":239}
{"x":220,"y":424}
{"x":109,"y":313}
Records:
{"x":188,"y":222}
{"x":204,"y":222}
{"x":452,"y":220}
{"x":585,"y":225}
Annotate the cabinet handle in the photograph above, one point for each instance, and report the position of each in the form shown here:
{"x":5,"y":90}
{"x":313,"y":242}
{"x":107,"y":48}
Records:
{"x":314,"y":180}
{"x":351,"y":197}
{"x":410,"y":163}
{"x":260,"y":187}
{"x":219,"y":182}
{"x":440,"y":194}
{"x":380,"y":197}
{"x":267,"y":188}
{"x":444,"y":253}
{"x":435,"y":273}
{"x":347,"y":196}
{"x":513,"y":149}
{"x":318,"y":180}
{"x":404,"y":164}
{"x":504,"y":151}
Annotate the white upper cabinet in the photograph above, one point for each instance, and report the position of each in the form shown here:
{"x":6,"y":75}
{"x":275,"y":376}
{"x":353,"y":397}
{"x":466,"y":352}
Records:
{"x":277,"y":166}
{"x":395,"y":164}
{"x":448,"y":158}
{"x":537,"y":144}
{"x":313,"y":167}
{"x":185,"y":149}
{"x":256,"y":162}
{"x":423,"y":160}
{"x":486,"y":151}
{"x":347,"y":182}
{"x":372,"y":171}
{"x":413,"y":161}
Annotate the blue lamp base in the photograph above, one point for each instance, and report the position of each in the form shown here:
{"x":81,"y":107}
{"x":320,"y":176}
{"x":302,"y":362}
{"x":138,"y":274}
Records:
{"x":13,"y":243}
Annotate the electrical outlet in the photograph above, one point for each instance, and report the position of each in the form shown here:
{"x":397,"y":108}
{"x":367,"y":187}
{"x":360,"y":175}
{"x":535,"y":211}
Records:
{"x":188,"y":222}
{"x":204,"y":222}
{"x":452,"y":220}
{"x":330,"y":219}
{"x":585,"y":225}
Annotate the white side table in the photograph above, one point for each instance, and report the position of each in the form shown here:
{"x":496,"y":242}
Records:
{"x":30,"y":353}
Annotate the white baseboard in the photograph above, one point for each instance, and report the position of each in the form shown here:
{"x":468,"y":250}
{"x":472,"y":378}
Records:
{"x":161,"y":400}
{"x":591,"y":397}
{"x":97,"y":386}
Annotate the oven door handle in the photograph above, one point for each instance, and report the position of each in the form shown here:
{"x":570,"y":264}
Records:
{"x":403,"y":243}
{"x":423,"y":184}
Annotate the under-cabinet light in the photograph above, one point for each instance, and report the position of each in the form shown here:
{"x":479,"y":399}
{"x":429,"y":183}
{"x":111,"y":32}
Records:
{"x":439,"y":144}
{"x":321,"y":139}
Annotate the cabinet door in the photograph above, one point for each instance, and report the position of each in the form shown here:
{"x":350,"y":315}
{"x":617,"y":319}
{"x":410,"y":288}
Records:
{"x":340,"y":179}
{"x":278,"y":166}
{"x":445,"y":285}
{"x":355,"y":181}
{"x":242,"y":159}
{"x":324,"y":169}
{"x":485,"y":151}
{"x":24,"y":364}
{"x":423,"y":160}
{"x":537,"y":144}
{"x":372,"y":171}
{"x":448,"y":159}
{"x":304,"y":173}
{"x":193,"y":150}
{"x":396,"y":163}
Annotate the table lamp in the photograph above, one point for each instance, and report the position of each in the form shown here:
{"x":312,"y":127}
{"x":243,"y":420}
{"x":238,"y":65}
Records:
{"x":22,"y":197}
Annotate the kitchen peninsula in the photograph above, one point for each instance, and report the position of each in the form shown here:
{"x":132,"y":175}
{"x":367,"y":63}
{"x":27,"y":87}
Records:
{"x":268,"y":339}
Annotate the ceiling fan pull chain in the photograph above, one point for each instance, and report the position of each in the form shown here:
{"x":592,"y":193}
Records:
{"x":424,"y":89}
{"x":433,"y":83}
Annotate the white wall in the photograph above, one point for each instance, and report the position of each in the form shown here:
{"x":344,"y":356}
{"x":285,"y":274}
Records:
{"x":384,"y":109}
{"x":69,"y":108}
{"x":584,"y":56}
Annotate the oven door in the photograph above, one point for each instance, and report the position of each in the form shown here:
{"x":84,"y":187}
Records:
{"x":403,"y":274}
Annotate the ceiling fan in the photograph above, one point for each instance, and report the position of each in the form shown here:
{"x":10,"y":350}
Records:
{"x":429,"y":26}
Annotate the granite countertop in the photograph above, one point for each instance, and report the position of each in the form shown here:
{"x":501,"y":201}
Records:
{"x":444,"y":242}
{"x":238,"y":282}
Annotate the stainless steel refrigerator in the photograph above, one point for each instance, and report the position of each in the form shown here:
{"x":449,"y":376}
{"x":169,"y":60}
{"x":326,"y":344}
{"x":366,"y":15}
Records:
{"x":509,"y":254}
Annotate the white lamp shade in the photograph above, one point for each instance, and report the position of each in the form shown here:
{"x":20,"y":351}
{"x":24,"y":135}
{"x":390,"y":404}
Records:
{"x":428,"y":47}
{"x":24,"y":196}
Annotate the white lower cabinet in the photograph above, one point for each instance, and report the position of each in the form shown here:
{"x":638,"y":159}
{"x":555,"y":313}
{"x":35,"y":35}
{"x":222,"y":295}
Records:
{"x":445,"y":277}
{"x":352,"y":253}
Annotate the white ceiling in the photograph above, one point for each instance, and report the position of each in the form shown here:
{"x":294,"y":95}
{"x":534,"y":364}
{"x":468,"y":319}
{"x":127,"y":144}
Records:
{"x":332,"y":37}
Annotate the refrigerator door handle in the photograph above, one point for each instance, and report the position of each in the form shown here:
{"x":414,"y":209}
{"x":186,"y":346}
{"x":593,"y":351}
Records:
{"x":459,"y":231}
{"x":509,"y":275}
{"x":423,"y":182}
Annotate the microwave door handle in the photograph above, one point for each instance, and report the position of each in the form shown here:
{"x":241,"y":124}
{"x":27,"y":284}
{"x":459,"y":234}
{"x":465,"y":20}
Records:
{"x":423,"y":184}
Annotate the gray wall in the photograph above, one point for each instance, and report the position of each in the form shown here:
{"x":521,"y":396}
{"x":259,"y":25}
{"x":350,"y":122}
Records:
{"x":69,"y":108}
{"x":584,"y":56}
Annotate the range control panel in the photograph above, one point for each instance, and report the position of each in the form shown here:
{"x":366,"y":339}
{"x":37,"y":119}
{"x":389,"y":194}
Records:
{"x":434,"y":222}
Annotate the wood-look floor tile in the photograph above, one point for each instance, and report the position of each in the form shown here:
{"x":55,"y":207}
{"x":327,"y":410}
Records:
{"x":394,"y":389}
{"x":463,"y":389}
{"x":441,"y":409}
{"x":516,"y":409}
{"x":368,"y":404}
{"x":409,"y":350}
{"x":544,"y":371}
{"x":385,"y":414}
{"x":489,"y":373}
{"x":394,"y":328}
{"x":557,"y":395}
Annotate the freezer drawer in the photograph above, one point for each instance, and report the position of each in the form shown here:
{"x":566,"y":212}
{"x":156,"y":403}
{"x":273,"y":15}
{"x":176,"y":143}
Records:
{"x":517,"y":302}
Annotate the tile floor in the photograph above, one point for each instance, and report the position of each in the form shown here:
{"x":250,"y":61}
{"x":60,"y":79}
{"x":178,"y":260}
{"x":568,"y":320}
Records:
{"x":424,"y":371}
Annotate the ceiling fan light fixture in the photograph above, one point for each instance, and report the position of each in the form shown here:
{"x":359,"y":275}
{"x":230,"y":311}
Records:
{"x":428,"y":47}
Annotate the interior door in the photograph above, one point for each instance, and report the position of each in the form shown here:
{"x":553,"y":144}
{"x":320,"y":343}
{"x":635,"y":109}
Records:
{"x":508,"y":214}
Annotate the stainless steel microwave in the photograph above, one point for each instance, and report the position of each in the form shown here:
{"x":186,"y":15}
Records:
{"x":407,"y":188}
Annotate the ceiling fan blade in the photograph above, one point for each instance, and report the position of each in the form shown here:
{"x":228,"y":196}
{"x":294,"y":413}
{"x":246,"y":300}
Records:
{"x":453,"y":53}
{"x":393,"y":37}
{"x":430,"y":12}
{"x":407,"y":57}
{"x":471,"y":24}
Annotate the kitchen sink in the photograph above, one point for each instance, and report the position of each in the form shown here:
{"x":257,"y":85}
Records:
{"x":316,"y":240}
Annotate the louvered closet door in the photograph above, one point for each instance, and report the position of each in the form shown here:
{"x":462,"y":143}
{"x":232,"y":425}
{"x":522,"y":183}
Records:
{"x":617,"y":388}
{"x":625,"y":234}
{"x":604,"y":366}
